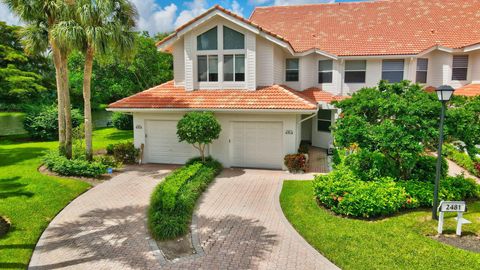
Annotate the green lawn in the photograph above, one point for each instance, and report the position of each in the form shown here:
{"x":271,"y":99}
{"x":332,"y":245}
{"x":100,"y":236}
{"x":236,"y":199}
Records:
{"x":30,"y":199}
{"x":393,"y":243}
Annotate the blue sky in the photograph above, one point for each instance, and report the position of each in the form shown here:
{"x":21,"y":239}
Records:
{"x":166,"y":15}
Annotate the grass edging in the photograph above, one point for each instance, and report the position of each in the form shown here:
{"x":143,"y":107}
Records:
{"x":173,"y":201}
{"x":397,"y":242}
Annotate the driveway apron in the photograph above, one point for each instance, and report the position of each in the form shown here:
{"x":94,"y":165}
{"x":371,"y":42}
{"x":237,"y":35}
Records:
{"x":239,"y":220}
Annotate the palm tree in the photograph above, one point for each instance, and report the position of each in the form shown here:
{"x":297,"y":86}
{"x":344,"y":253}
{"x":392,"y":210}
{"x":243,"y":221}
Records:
{"x":41,"y":16}
{"x":97,"y":27}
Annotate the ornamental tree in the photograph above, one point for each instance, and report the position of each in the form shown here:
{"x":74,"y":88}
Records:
{"x":198,"y":129}
{"x":397,"y":120}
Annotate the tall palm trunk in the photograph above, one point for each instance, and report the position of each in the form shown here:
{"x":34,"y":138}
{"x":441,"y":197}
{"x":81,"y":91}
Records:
{"x":67,"y":106}
{"x":60,"y":97}
{"x":87,"y":78}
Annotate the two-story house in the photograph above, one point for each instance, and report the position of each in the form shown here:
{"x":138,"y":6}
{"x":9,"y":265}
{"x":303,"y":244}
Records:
{"x":270,"y":79}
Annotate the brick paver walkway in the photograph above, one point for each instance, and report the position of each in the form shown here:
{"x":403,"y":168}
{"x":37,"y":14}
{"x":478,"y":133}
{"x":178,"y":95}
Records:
{"x":241,"y":226}
{"x":103,"y":228}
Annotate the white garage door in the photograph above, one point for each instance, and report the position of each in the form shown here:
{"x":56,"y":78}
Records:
{"x":257,"y":144}
{"x":162,"y":144}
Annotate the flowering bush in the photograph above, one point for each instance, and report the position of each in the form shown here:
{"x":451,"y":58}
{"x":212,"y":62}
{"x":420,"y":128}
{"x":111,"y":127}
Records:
{"x":295,"y":162}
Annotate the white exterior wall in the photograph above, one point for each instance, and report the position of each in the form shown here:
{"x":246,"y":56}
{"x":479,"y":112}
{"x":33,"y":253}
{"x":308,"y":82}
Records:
{"x":278,"y":66}
{"x":322,"y":139}
{"x":179,"y":63}
{"x":475,"y":67}
{"x":191,"y":53}
{"x":265,"y":64}
{"x":221,"y":148}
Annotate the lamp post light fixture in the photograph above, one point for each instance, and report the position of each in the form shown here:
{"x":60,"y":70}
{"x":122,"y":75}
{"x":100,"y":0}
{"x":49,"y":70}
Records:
{"x":444,"y":94}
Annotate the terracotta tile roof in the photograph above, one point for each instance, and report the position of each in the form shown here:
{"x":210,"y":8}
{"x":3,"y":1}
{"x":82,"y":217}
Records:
{"x":388,"y":27}
{"x":218,"y":7}
{"x":167,"y":96}
{"x":319,"y":95}
{"x":470,"y":90}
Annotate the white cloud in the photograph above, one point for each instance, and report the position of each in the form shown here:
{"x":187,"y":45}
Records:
{"x":258,"y":2}
{"x":300,"y":2}
{"x":7,"y":16}
{"x":237,"y":8}
{"x":154,"y":18}
{"x":193,"y":9}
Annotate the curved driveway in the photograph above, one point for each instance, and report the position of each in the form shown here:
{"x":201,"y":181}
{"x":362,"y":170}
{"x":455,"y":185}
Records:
{"x":239,"y":220}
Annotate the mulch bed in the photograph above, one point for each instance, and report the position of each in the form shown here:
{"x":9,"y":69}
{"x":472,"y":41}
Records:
{"x":4,"y":226}
{"x":466,"y":242}
{"x":92,"y":181}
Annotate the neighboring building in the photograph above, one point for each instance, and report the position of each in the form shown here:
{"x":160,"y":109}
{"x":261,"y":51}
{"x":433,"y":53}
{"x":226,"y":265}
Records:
{"x":270,"y":78}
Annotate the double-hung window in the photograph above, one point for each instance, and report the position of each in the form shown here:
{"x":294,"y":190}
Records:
{"x":392,"y":70}
{"x":234,"y":67}
{"x":325,"y":68}
{"x":292,"y":70}
{"x":422,"y":69}
{"x":324,"y":120}
{"x":355,"y":71}
{"x":207,"y":68}
{"x":460,"y":67}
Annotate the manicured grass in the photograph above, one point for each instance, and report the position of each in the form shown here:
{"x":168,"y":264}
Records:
{"x":392,"y":243}
{"x":30,"y":199}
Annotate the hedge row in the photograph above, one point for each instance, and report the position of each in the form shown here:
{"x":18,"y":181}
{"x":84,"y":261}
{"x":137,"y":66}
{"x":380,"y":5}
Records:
{"x":345,"y":194}
{"x":173,"y":201}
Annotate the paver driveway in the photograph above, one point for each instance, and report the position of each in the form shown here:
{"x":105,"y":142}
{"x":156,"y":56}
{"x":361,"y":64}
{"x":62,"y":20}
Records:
{"x":239,"y":220}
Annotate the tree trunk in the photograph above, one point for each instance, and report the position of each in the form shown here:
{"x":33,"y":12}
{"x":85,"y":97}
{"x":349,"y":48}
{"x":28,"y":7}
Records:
{"x":67,"y":106}
{"x":87,"y":78}
{"x":60,"y":100}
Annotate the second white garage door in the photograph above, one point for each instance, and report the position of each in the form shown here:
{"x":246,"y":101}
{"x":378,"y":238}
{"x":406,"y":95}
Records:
{"x":257,"y":144}
{"x":162,"y":144}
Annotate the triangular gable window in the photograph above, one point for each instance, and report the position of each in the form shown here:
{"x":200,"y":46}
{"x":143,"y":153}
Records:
{"x":208,"y":40}
{"x":233,"y":40}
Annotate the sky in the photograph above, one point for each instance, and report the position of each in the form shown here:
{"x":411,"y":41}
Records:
{"x":159,"y":16}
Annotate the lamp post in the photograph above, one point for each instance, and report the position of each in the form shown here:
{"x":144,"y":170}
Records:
{"x":444,"y":94}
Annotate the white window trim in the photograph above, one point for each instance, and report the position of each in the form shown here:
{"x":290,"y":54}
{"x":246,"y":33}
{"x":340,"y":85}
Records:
{"x":220,"y":53}
{"x":208,"y":69}
{"x":345,"y":70}
{"x":399,"y":70}
{"x":324,"y":71}
{"x":421,"y":70}
{"x":234,"y":67}
{"x":467,"y":68}
{"x":325,"y":120}
{"x":290,"y":69}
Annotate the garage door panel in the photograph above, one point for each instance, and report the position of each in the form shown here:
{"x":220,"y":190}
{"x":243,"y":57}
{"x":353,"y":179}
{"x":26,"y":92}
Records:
{"x":257,"y":144}
{"x":162,"y":145}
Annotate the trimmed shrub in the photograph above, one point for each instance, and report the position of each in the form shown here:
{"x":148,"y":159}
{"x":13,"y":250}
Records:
{"x":369,"y":166}
{"x":122,"y":121}
{"x":421,"y":191}
{"x":108,"y":161}
{"x":460,"y":158}
{"x":173,"y":201}
{"x":73,"y":167}
{"x":352,"y":197}
{"x":42,"y":122}
{"x":295,"y":162}
{"x":426,"y":169}
{"x":209,"y":162}
{"x":459,"y":188}
{"x":124,"y":152}
{"x":451,"y":188}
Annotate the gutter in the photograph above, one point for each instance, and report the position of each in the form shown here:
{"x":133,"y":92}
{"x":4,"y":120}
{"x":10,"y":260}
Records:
{"x":157,"y":110}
